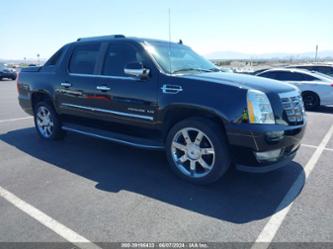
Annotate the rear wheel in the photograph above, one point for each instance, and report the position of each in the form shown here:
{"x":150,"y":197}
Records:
{"x":197,"y":150}
{"x":311,"y":100}
{"x":47,"y":122}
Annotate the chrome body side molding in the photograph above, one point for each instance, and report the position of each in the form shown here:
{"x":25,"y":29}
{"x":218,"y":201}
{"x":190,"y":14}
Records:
{"x":124,"y":114}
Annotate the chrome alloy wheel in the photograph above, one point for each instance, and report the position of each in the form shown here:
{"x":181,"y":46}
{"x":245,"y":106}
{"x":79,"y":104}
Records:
{"x":193,"y":152}
{"x":44,"y":122}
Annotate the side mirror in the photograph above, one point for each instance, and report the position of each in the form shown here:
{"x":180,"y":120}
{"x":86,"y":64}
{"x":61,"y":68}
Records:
{"x":136,"y":69}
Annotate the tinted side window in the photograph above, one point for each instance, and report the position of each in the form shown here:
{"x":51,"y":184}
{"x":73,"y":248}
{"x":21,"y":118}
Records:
{"x":324,"y":70}
{"x":285,"y":76}
{"x":270,"y":75}
{"x":118,"y":56}
{"x":54,"y":60}
{"x":84,"y":59}
{"x":304,"y":77}
{"x":294,"y":76}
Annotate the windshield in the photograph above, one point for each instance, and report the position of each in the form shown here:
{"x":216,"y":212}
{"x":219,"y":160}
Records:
{"x":177,"y":58}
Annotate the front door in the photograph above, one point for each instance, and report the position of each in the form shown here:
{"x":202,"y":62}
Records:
{"x":121,"y":97}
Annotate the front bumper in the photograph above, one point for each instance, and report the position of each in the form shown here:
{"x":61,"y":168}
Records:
{"x":264,"y":168}
{"x":247,"y":140}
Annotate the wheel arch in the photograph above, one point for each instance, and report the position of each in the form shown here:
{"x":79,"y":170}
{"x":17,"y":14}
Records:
{"x":312,"y":92}
{"x":40,"y":95}
{"x":176,"y":113}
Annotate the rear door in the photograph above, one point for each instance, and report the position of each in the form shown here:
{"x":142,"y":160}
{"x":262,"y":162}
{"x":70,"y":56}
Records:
{"x":77,"y":88}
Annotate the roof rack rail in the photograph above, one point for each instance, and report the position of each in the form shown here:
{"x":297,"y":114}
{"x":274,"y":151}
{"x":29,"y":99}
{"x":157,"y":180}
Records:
{"x":100,"y":37}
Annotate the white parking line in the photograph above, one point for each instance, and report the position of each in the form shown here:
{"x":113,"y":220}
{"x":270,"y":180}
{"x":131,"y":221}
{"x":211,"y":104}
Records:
{"x":47,"y":221}
{"x":309,"y":146}
{"x":14,"y":119}
{"x":268,"y":233}
{"x":315,"y":147}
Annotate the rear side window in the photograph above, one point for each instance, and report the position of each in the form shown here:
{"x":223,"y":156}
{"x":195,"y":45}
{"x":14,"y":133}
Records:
{"x":55,"y":59}
{"x":304,"y":77}
{"x":84,"y":59}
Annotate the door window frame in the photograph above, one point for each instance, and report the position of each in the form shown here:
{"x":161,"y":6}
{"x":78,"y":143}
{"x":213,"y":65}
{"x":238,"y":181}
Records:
{"x":136,"y":46}
{"x":101,"y":51}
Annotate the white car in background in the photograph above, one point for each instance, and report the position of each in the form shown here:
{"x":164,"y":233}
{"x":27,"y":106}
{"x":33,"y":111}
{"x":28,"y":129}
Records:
{"x":316,"y":88}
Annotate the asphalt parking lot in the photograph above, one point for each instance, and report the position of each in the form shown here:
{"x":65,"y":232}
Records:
{"x":103,"y":192}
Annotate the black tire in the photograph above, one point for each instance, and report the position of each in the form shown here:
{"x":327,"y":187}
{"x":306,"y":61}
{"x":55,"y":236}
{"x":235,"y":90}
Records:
{"x":56,"y":133}
{"x":13,"y":78}
{"x":213,"y":135}
{"x":311,"y":101}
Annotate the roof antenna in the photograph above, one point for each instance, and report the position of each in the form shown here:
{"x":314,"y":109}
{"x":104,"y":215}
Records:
{"x":170,"y":41}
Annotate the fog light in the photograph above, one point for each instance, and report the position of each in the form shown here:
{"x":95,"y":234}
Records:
{"x":272,"y":155}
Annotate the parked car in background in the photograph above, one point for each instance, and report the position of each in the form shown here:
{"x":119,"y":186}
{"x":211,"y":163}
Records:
{"x":321,"y":68}
{"x":316,"y":88}
{"x":8,"y":73}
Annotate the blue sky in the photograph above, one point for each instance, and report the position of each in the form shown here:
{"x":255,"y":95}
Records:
{"x":257,"y":26}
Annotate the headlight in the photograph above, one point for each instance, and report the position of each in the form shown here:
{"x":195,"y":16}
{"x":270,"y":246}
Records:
{"x":259,"y":108}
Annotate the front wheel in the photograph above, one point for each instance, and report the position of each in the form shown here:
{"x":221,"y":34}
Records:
{"x":47,"y":122}
{"x":197,"y":150}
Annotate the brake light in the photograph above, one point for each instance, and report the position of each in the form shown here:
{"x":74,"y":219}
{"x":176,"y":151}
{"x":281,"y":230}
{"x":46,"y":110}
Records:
{"x":17,"y":81}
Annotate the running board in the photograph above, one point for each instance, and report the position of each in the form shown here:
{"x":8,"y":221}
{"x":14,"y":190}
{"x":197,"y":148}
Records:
{"x":113,"y":137}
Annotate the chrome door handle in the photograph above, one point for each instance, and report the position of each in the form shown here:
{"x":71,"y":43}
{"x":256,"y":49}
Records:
{"x":103,"y":88}
{"x":66,"y":84}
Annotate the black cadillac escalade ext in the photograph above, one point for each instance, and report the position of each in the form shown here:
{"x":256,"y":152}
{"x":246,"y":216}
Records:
{"x":161,"y":95}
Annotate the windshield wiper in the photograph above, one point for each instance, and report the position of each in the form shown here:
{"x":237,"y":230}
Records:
{"x":192,"y":69}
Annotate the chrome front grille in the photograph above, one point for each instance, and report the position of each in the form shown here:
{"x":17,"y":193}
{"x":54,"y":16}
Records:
{"x":293,"y":106}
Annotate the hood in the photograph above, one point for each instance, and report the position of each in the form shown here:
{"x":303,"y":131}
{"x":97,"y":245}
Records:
{"x":243,"y":81}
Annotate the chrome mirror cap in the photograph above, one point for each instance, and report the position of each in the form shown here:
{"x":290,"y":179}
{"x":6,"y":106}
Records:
{"x":137,"y":70}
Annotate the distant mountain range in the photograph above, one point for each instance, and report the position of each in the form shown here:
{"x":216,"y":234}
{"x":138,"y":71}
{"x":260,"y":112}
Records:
{"x":229,"y":55}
